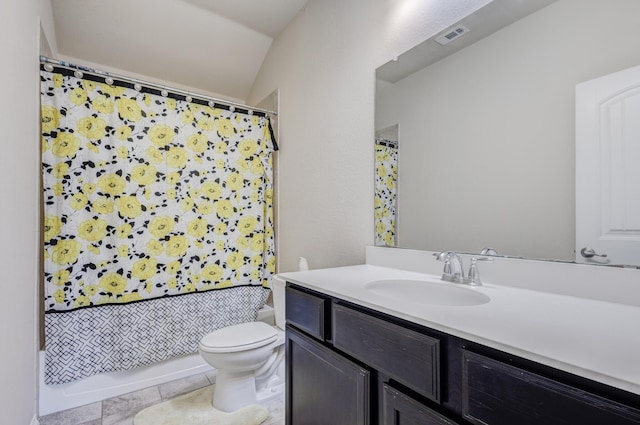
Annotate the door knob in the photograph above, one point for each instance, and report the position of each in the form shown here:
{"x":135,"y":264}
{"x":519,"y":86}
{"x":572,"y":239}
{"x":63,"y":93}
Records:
{"x":590,"y":253}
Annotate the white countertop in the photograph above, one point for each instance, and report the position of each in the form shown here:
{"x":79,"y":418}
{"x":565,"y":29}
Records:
{"x":594,"y":339}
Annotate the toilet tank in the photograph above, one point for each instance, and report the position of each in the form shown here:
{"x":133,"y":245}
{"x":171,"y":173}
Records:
{"x":277,"y":289}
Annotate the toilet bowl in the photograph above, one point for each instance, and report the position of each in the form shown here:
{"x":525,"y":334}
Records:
{"x":249,"y":358}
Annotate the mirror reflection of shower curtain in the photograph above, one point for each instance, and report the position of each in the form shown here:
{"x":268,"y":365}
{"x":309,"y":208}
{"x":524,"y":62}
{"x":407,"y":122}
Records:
{"x":386,"y":188}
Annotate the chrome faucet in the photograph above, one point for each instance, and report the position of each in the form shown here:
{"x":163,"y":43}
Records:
{"x":453,"y":268}
{"x":452,"y":271}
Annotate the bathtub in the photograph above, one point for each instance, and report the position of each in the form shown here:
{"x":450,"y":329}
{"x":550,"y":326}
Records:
{"x":55,"y":398}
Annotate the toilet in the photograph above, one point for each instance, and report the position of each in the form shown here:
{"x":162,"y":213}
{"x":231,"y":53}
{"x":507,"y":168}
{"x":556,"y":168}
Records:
{"x":249,"y":358}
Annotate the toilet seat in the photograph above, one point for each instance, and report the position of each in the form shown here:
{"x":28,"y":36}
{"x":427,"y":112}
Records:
{"x":241,"y":337}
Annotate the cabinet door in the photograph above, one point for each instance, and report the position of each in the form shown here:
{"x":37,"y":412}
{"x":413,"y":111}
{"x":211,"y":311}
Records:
{"x":400,"y":409}
{"x":323,"y":387}
{"x":496,"y":393}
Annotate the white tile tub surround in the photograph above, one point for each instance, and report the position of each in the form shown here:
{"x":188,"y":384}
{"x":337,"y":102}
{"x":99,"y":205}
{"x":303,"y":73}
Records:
{"x":55,"y":398}
{"x":580,"y":319}
{"x":610,"y":284}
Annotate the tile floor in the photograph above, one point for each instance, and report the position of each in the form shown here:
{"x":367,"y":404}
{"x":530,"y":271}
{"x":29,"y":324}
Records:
{"x":122,"y":409}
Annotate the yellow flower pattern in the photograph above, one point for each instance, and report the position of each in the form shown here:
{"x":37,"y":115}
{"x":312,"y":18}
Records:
{"x":52,"y":226}
{"x":161,"y":135}
{"x":65,"y":145}
{"x":91,"y":127}
{"x":128,"y":109}
{"x":93,"y":230}
{"x":143,"y":174}
{"x":149,"y":196}
{"x":111,"y":184}
{"x":50,"y":117}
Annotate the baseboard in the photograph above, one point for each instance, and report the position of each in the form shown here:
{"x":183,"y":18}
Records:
{"x":34,"y":421}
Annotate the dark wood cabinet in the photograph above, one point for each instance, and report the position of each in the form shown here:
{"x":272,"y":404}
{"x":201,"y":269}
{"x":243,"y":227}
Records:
{"x":407,"y":356}
{"x":350,"y":365}
{"x":322,"y":386}
{"x":498,"y":393}
{"x":307,"y":312}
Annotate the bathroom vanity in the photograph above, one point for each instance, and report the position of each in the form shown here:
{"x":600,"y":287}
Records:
{"x":355,"y":356}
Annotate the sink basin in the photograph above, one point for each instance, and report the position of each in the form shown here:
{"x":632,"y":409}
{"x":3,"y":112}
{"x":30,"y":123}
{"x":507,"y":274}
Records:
{"x":426,"y":292}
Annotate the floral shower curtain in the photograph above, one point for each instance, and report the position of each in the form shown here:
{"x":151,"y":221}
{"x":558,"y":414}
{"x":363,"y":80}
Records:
{"x":148,"y":197}
{"x":386,"y":184}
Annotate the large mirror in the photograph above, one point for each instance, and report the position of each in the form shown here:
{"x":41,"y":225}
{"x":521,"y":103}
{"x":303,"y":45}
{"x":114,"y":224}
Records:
{"x":486,"y":127}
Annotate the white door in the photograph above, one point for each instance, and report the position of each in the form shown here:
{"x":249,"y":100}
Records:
{"x":608,"y":169}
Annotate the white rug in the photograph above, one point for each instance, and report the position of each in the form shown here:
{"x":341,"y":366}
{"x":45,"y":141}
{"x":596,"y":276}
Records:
{"x":195,"y":408}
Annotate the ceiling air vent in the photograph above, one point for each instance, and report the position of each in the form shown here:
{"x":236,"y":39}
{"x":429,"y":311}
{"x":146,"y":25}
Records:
{"x":452,"y":34}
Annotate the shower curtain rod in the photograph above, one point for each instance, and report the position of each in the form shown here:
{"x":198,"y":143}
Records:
{"x":80,"y":70}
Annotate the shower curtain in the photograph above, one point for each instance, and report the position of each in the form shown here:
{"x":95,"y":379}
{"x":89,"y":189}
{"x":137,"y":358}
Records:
{"x":158,"y":222}
{"x":386,"y":184}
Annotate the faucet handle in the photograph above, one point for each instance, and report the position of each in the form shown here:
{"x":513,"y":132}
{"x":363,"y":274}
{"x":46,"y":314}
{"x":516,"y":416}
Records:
{"x":488,"y":251}
{"x":473,"y":277}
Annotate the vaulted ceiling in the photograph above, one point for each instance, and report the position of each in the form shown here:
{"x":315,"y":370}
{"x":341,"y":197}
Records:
{"x":213,"y":45}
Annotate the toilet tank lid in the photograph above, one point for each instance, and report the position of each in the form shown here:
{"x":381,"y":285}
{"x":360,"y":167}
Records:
{"x":244,"y":335}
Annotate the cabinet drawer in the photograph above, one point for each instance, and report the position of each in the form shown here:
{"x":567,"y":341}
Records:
{"x":306,"y":312}
{"x":497,"y":393}
{"x":400,"y":409}
{"x":409,"y":357}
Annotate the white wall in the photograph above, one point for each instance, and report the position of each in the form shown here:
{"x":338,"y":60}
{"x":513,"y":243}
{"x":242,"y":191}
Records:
{"x":48,"y":41}
{"x":487,"y":135}
{"x":19,"y":216}
{"x":126,"y":73}
{"x":324,"y":67}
